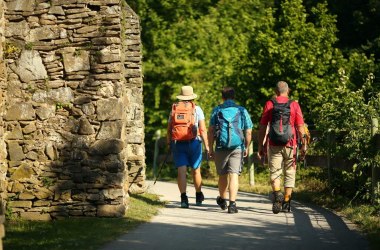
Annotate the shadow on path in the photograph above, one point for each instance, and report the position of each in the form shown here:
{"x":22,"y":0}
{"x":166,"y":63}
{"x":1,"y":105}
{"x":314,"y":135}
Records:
{"x":254,"y":227}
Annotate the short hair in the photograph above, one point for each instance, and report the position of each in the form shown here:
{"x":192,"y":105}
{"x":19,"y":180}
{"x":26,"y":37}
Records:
{"x":228,"y":93}
{"x":282,"y":87}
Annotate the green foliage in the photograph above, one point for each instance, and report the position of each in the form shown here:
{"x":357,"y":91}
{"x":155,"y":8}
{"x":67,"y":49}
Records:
{"x":295,"y":46}
{"x":247,"y":44}
{"x":29,"y":46}
{"x":47,"y":182}
{"x":345,"y":117}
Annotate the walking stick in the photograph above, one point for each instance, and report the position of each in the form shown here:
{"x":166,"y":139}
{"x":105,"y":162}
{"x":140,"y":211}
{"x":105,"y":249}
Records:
{"x":163,"y":163}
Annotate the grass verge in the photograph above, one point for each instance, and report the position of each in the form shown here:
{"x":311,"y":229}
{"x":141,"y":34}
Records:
{"x":79,"y":233}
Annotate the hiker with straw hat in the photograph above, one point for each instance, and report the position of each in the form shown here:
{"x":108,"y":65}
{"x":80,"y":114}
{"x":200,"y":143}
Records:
{"x":186,"y":132}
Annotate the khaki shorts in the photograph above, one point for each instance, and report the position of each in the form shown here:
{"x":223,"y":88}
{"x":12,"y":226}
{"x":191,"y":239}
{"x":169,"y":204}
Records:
{"x":229,"y":161}
{"x":282,"y":160}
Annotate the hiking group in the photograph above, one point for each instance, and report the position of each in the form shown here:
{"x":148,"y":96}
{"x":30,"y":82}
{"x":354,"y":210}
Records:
{"x":230,"y":128}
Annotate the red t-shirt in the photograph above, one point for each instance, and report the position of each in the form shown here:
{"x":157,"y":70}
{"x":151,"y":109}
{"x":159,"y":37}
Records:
{"x":296,"y":117}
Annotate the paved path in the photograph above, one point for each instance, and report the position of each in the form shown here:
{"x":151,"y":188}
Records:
{"x":254,"y":227}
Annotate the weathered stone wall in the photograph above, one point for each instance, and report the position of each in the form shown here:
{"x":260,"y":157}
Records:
{"x":73,"y":119}
{"x":3,"y":167}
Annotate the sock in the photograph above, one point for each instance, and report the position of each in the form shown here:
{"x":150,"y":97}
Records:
{"x":183,"y":194}
{"x":232,"y":202}
{"x":277,"y":189}
{"x":198,"y":192}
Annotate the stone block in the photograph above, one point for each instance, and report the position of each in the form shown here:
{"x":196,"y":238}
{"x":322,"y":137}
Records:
{"x":30,"y":128}
{"x":26,"y":196}
{"x":109,"y":109}
{"x":20,"y":112}
{"x":63,"y":95}
{"x":106,"y":40}
{"x":132,"y":73}
{"x":17,"y":29}
{"x":41,"y":203}
{"x":137,"y":188}
{"x":15,"y":133}
{"x":107,"y":90}
{"x":111,"y":210}
{"x":43,"y":193}
{"x":47,"y":32}
{"x":56,"y":10}
{"x":36,"y":216}
{"x":50,"y":151}
{"x":21,"y":5}
{"x":76,"y":212}
{"x":93,"y":197}
{"x":29,"y":66}
{"x":15,"y":152}
{"x":45,"y":111}
{"x":105,"y":147}
{"x":20,"y":204}
{"x":109,"y":76}
{"x":3,"y":185}
{"x":3,"y":150}
{"x":110,"y":130}
{"x":32,"y":155}
{"x":85,"y":127}
{"x":112,"y":194}
{"x":77,"y":60}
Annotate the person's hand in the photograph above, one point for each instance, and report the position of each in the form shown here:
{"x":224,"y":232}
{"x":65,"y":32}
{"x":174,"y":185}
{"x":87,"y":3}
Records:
{"x":210,"y":154}
{"x":245,"y":153}
{"x":303,"y":152}
{"x":260,"y":153}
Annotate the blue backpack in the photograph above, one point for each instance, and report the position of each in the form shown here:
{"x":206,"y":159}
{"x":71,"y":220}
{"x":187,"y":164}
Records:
{"x":227,"y":130}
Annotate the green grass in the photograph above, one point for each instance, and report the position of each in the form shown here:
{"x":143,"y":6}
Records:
{"x":79,"y":233}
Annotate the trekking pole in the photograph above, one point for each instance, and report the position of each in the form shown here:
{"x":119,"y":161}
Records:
{"x":163,"y":163}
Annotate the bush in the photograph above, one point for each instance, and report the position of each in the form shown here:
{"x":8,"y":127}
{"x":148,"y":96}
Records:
{"x":345,"y":122}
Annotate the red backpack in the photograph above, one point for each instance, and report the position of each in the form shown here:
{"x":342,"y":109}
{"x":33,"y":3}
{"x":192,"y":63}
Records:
{"x":183,"y":126}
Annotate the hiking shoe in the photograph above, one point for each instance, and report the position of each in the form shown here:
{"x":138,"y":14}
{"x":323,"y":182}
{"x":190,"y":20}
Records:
{"x":278,"y":199}
{"x":184,"y":201}
{"x":286,"y":206}
{"x":232,"y":208}
{"x":221,"y":202}
{"x":199,"y":197}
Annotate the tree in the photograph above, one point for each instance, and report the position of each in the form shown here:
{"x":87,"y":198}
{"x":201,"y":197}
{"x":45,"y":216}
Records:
{"x":247,"y":44}
{"x":347,"y":116}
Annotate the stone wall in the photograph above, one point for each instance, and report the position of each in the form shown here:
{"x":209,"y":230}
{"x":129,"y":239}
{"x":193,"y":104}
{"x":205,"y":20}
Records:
{"x":3,"y":80}
{"x":73,"y":119}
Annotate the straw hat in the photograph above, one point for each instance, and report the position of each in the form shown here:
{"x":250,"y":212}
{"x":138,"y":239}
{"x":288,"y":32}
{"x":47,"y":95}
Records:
{"x":186,"y":94}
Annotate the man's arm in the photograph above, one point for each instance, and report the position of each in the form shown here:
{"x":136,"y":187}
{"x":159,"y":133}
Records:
{"x":261,"y":137}
{"x":248,"y":139}
{"x":211,"y":131}
{"x":263,"y":126}
{"x":302,"y":135}
{"x":203,"y":134}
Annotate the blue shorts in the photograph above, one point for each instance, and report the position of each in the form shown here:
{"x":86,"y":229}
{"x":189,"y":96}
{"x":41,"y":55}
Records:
{"x":187,"y":153}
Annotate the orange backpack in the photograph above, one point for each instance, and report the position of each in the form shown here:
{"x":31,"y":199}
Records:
{"x":183,"y":126}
